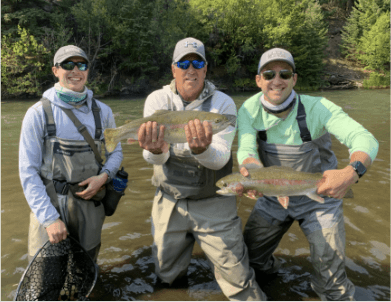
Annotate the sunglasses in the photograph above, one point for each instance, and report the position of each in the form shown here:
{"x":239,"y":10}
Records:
{"x":186,"y":64}
{"x":69,"y":65}
{"x":285,"y":74}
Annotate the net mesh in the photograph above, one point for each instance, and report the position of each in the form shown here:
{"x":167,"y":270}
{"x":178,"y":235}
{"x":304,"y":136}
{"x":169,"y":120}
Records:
{"x":62,"y":271}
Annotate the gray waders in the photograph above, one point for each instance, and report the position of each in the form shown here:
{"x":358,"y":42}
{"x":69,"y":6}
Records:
{"x":322,"y":224}
{"x":65,"y":164}
{"x":186,"y":209}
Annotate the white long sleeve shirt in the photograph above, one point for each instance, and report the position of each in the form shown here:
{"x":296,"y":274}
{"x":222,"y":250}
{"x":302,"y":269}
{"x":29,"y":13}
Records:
{"x":219,"y":151}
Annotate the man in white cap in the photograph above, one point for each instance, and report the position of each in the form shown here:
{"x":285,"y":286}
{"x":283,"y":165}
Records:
{"x":186,"y":207}
{"x":55,"y":160}
{"x":278,"y":127}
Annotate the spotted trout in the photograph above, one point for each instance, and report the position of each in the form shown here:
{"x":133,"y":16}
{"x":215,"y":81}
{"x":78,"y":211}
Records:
{"x":174,"y":122}
{"x":281,"y":182}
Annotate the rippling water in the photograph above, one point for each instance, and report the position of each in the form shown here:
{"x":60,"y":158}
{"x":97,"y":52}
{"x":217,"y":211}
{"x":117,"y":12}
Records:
{"x":126,"y":265}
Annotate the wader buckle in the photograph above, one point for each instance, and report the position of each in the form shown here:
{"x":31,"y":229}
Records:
{"x":81,"y":128}
{"x":61,"y":187}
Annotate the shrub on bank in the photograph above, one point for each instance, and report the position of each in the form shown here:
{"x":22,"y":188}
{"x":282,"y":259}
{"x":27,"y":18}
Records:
{"x":24,"y":65}
{"x":377,"y":80}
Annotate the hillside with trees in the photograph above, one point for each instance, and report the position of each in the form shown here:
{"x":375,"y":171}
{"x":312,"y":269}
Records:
{"x":336,"y":43}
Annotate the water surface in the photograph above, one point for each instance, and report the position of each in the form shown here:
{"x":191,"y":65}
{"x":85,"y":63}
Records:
{"x":126,"y":265}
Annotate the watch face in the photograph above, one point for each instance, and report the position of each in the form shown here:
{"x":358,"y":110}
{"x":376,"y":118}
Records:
{"x":359,"y":167}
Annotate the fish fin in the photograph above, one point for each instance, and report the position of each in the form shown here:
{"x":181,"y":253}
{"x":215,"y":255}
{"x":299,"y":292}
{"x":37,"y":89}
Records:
{"x":252,"y":166}
{"x":349,"y":194}
{"x":282,"y":168}
{"x":110,"y":141}
{"x":131,"y":141}
{"x":225,"y":193}
{"x":251,"y":197}
{"x":284,"y":201}
{"x":315,"y":197}
{"x":159,"y":112}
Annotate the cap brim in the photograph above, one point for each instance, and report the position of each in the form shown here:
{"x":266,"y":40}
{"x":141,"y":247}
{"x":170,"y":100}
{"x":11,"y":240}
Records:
{"x":276,"y":60}
{"x":187,"y":53}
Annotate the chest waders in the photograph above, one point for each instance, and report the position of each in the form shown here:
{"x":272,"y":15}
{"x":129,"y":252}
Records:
{"x":65,"y":164}
{"x":322,"y":224}
{"x":312,"y":156}
{"x":182,"y":176}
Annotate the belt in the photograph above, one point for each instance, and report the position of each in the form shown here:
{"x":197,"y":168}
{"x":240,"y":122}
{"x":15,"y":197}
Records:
{"x":61,"y":186}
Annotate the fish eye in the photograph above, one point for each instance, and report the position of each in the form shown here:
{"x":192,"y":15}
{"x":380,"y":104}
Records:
{"x":217,"y":120}
{"x":225,"y":185}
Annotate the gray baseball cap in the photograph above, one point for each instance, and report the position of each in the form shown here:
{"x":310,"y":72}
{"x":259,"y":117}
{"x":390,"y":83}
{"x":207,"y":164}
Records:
{"x":186,"y":46}
{"x":276,"y":54}
{"x":68,"y":51}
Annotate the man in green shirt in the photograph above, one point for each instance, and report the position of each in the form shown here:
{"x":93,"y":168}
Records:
{"x":278,"y":127}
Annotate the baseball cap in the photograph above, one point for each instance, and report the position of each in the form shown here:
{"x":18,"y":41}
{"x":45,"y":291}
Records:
{"x":186,"y":46}
{"x":276,"y":54}
{"x":68,"y":51}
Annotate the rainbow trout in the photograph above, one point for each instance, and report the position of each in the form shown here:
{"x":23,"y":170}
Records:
{"x":274,"y":181}
{"x":174,"y":121}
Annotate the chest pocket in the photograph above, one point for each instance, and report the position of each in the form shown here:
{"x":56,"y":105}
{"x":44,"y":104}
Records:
{"x":73,"y":161}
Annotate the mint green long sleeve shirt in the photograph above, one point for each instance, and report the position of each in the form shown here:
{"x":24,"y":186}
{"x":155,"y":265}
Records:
{"x":322,"y":116}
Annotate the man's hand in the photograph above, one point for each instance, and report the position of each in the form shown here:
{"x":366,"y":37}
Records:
{"x":149,"y":140}
{"x":253,"y":194}
{"x":57,"y":231}
{"x":94,"y":183}
{"x":199,"y":136}
{"x":336,"y":183}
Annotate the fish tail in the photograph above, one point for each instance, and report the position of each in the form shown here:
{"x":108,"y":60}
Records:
{"x":111,"y":142}
{"x":315,"y":197}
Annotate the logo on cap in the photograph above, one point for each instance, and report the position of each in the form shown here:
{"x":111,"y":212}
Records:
{"x":277,"y":53}
{"x":194,"y":44}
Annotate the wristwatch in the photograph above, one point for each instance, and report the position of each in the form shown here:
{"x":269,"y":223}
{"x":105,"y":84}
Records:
{"x":359,"y":168}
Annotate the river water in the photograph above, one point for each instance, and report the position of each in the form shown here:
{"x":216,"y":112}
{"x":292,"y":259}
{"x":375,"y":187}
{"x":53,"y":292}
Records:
{"x":126,"y":265}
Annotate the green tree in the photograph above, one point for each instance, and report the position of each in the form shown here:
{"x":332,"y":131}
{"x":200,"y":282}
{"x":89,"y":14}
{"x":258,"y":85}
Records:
{"x":24,"y":65}
{"x":363,"y":17}
{"x":240,"y":31}
{"x":34,"y":15}
{"x":374,"y":45}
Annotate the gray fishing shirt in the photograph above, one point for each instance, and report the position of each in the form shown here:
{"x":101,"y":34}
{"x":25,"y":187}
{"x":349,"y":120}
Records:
{"x":31,"y":148}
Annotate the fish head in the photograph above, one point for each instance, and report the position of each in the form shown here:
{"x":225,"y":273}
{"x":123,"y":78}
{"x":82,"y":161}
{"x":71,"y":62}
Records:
{"x":222,"y":121}
{"x":226,"y":188}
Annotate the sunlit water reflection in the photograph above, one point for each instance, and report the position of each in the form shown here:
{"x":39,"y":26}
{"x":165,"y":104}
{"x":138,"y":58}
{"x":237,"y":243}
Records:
{"x":126,"y":265}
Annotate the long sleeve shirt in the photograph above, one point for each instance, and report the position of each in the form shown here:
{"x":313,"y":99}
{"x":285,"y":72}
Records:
{"x":219,"y":151}
{"x":322,"y":116}
{"x":31,"y":148}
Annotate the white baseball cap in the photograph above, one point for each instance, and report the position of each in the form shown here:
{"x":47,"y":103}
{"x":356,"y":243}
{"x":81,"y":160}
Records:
{"x":276,"y":54}
{"x":187,"y":46}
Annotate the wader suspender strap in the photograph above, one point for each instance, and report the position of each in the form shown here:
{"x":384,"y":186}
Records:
{"x":83,"y":131}
{"x":207,"y":104}
{"x":98,"y":124}
{"x":50,"y":125}
{"x":301,"y":115}
{"x":304,"y":132}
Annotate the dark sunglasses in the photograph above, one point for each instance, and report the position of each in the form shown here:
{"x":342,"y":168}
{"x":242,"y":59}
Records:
{"x":186,"y":64}
{"x":69,"y":65}
{"x":285,"y":74}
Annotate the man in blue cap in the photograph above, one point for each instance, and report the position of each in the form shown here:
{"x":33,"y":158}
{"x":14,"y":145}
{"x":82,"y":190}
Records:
{"x":278,"y":127}
{"x":186,"y":207}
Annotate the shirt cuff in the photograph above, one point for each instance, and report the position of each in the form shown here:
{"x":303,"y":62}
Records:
{"x":108,"y":174}
{"x":49,"y":222}
{"x":158,"y":159}
{"x":204,"y":155}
